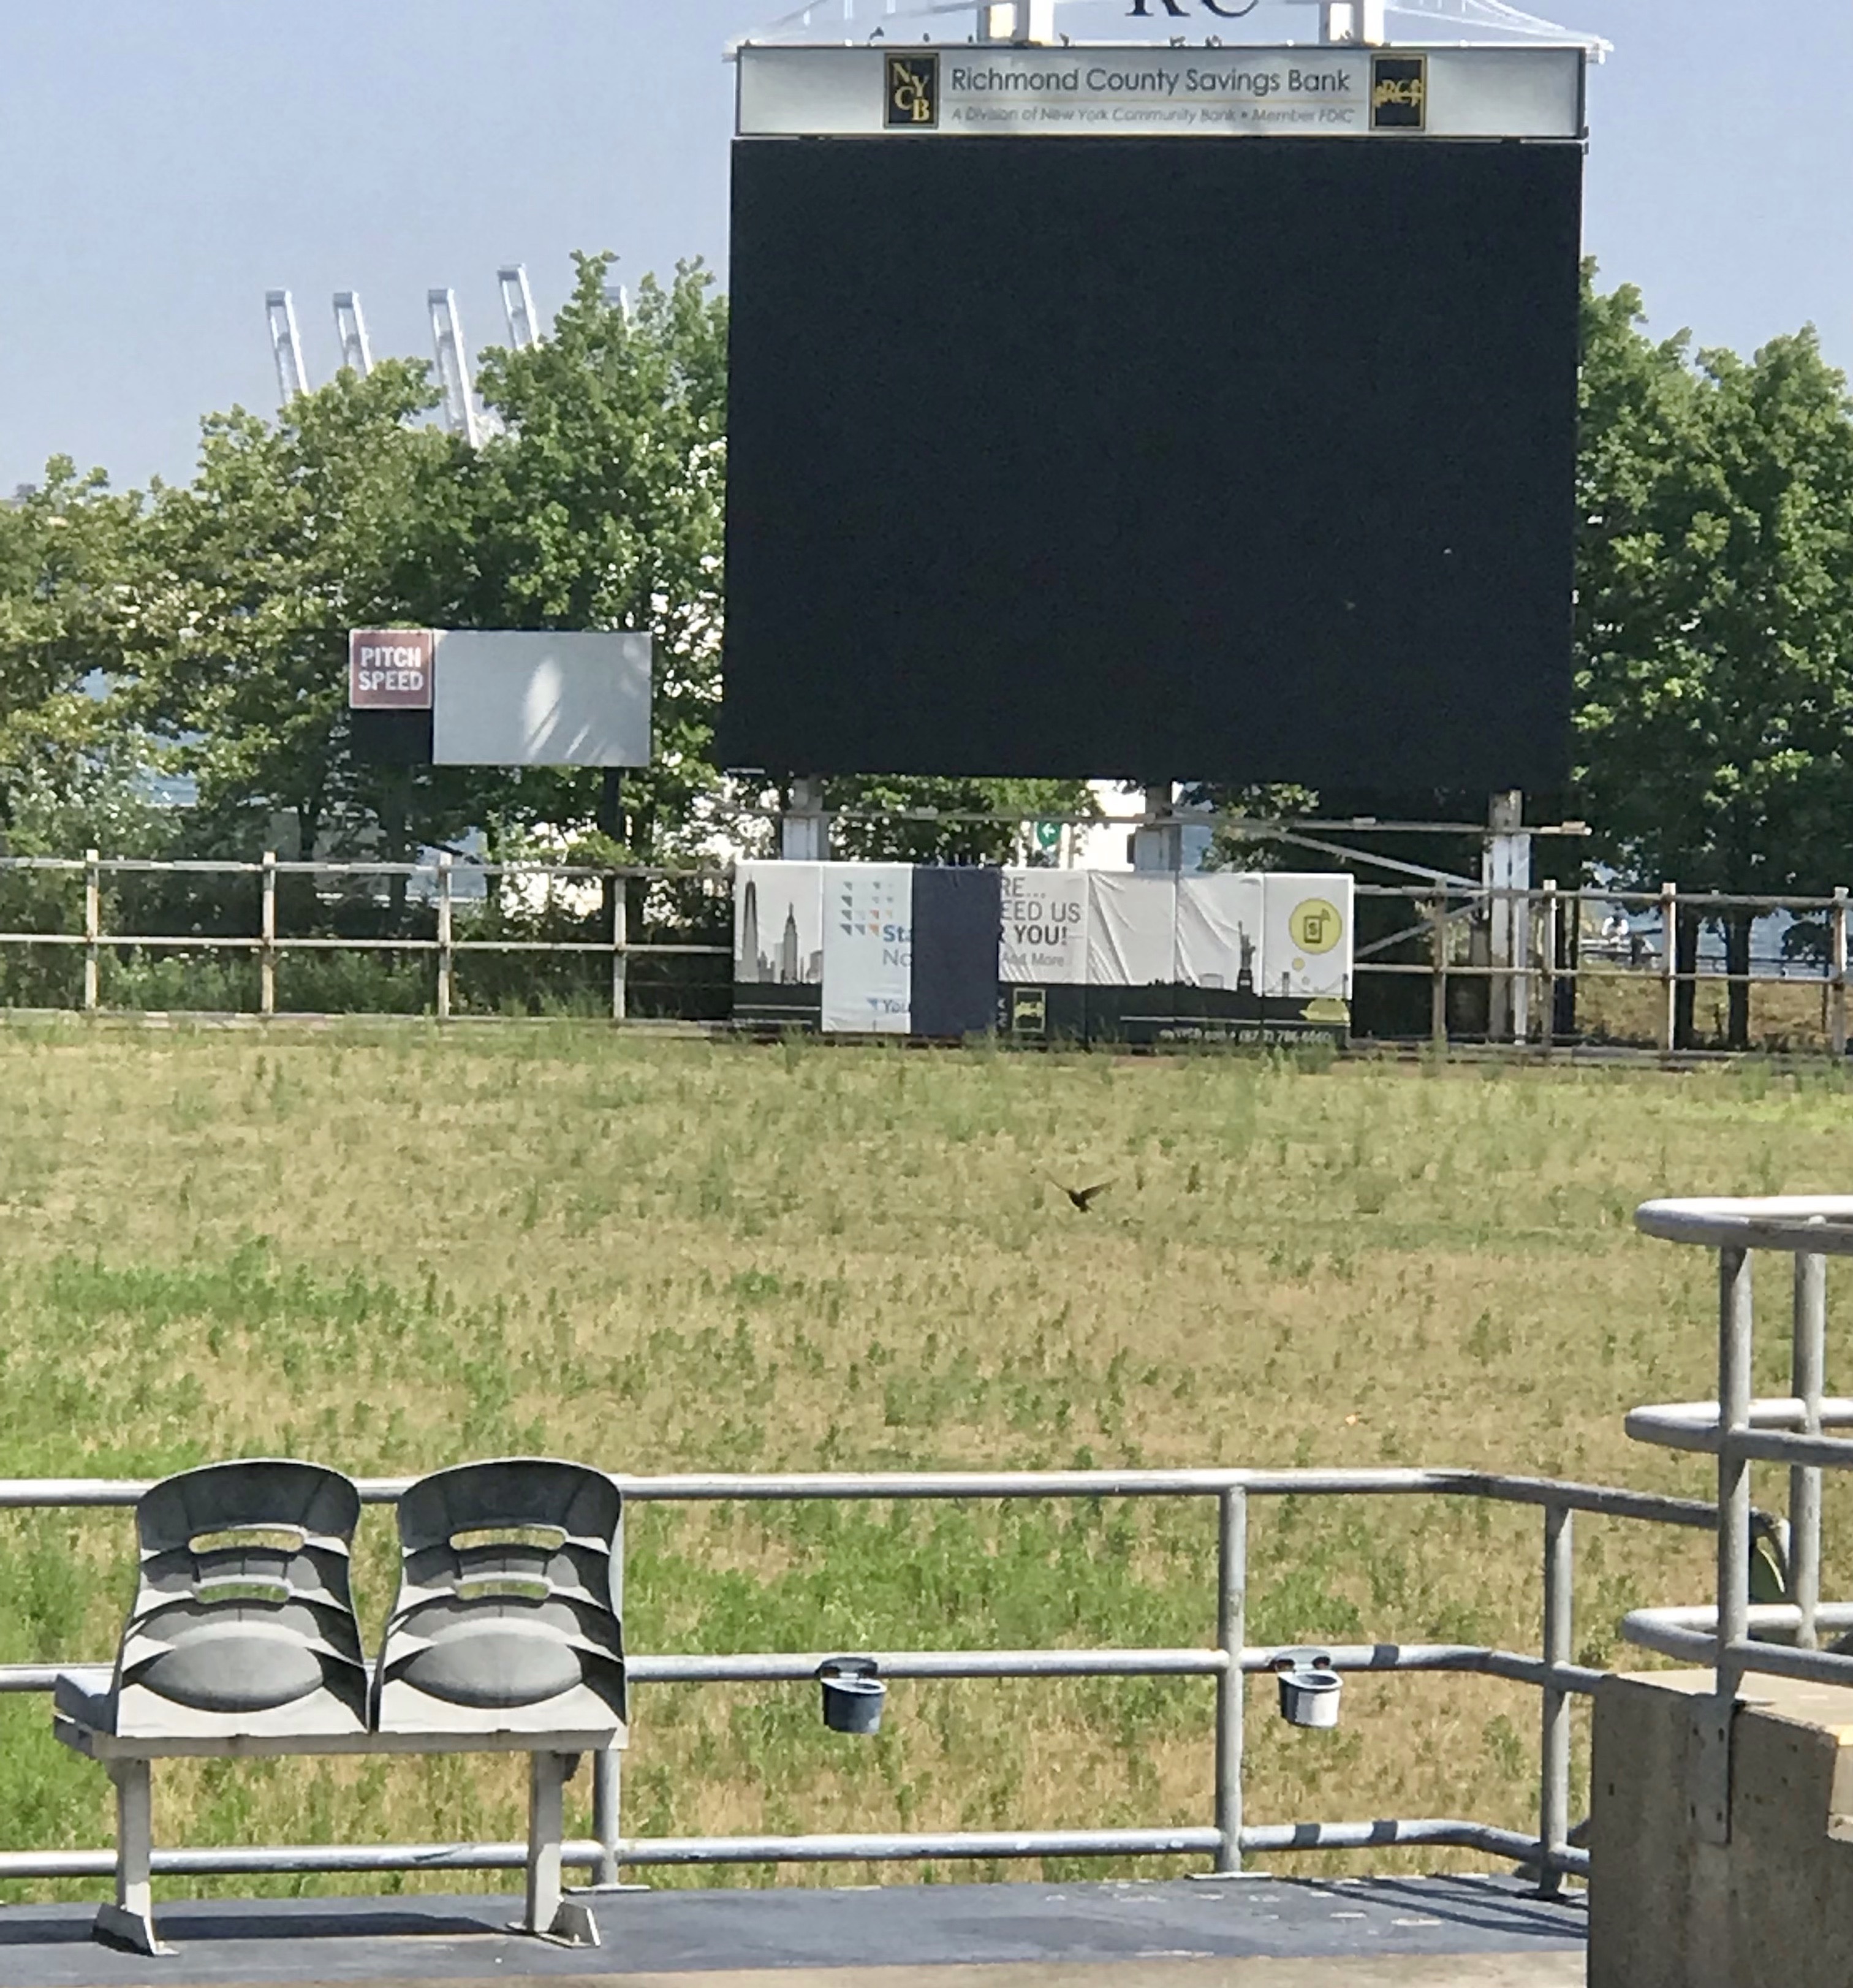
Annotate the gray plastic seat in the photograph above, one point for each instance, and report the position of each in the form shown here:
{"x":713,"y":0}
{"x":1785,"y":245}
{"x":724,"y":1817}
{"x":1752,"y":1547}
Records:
{"x":244,"y":1620}
{"x":506,"y":1620}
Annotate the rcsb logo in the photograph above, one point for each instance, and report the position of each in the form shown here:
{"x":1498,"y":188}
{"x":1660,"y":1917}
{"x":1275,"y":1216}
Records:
{"x":1178,"y":10}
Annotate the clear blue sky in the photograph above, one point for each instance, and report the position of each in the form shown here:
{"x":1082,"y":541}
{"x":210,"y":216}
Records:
{"x":164,"y":162}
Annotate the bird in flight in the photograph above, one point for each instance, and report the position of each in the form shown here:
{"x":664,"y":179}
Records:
{"x":1082,"y":1198}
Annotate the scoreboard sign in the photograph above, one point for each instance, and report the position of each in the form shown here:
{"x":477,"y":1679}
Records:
{"x":390,"y":669}
{"x":997,"y":91}
{"x":1064,"y":441}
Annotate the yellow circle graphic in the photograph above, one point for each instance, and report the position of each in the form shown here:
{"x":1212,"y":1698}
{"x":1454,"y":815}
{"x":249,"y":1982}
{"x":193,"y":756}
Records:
{"x":1316,"y":925}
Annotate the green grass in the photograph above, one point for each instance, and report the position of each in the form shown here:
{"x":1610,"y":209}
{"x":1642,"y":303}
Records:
{"x":393,"y":1250}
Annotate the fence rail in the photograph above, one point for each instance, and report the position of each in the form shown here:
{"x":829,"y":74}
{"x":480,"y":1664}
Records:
{"x":1536,"y":960}
{"x":1226,"y":1838}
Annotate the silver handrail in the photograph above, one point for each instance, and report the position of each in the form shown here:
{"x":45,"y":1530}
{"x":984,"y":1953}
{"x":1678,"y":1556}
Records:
{"x":1226,"y":1839}
{"x":1731,"y":1636}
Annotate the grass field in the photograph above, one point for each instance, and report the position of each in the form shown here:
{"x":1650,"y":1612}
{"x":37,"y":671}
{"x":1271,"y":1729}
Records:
{"x":390,"y":1250}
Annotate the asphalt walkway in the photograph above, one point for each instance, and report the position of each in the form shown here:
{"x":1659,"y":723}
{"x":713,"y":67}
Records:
{"x":1240,"y":1932}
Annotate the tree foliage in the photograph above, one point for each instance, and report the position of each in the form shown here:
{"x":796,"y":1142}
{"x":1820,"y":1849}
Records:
{"x":1715,"y":615}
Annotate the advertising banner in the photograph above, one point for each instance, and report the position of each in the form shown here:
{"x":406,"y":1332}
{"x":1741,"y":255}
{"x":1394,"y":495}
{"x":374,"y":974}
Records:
{"x":1307,"y":938}
{"x":1045,"y":928}
{"x":778,"y":924}
{"x":1132,"y":926}
{"x":868,"y":954}
{"x":777,"y":944}
{"x":996,"y":90}
{"x":955,"y":924}
{"x":1219,"y":927}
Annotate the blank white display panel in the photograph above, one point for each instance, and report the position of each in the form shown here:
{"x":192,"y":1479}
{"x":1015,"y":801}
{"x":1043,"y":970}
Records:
{"x":504,"y":698}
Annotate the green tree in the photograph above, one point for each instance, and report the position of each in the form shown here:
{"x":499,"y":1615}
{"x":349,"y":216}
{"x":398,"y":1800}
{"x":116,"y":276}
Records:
{"x":601,"y":505}
{"x":929,"y":821}
{"x":1715,"y":618}
{"x":334,"y":517}
{"x":66,"y":552}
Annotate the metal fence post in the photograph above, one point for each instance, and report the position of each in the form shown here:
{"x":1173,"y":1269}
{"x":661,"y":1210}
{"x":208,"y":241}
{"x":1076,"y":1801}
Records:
{"x":1437,"y":977}
{"x":266,"y":957}
{"x":1547,"y":1021}
{"x":446,"y":964}
{"x":1232,"y":1634}
{"x":1808,"y":1383}
{"x":1669,"y":967}
{"x":620,"y":916}
{"x":92,"y":928}
{"x":1710,"y":1793}
{"x":1554,"y":1765}
{"x":1837,"y":1027}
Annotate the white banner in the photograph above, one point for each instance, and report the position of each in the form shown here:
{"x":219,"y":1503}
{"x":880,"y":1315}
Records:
{"x":1045,"y":928}
{"x":1132,"y":929}
{"x":995,"y":89}
{"x":868,"y":947}
{"x":1308,"y":936}
{"x":778,"y":924}
{"x":1220,"y":928}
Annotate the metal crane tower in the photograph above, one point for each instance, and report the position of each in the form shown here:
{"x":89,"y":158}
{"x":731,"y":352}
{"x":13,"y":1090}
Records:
{"x":454,"y":367}
{"x":286,"y":346}
{"x":350,"y":330}
{"x":517,"y":306}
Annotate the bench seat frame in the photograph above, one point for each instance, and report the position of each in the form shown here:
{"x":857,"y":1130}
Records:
{"x":129,"y":1921}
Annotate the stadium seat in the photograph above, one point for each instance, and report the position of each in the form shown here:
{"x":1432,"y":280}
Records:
{"x":243,"y":1621}
{"x":505,"y":1619}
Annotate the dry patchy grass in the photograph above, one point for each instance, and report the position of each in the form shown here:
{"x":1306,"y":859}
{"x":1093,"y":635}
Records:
{"x":395,"y":1250}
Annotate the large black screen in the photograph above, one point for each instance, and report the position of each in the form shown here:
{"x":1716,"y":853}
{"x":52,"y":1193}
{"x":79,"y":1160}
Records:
{"x":1238,"y":460}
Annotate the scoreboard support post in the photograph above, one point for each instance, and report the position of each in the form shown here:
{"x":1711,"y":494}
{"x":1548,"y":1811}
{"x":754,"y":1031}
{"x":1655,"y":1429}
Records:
{"x":1158,"y":844}
{"x":804,"y":827}
{"x":1507,"y":867}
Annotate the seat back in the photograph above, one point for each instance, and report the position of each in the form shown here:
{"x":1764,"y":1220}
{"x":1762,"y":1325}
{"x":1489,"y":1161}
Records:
{"x":507,"y":1618}
{"x":244,"y":1617}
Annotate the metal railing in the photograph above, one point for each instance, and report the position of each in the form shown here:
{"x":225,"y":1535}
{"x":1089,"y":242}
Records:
{"x":1226,"y":1838}
{"x":1521,"y":947}
{"x":1733,"y":1635}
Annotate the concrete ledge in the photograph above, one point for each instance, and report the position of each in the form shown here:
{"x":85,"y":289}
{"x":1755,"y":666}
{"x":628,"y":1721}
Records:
{"x":1772,"y":1906}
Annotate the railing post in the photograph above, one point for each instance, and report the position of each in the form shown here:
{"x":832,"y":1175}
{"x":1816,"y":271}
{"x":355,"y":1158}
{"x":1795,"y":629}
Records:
{"x":266,"y":956}
{"x":446,"y":964}
{"x":92,"y":928}
{"x":607,"y":1810}
{"x":1553,"y":1766}
{"x":1710,"y":1793}
{"x":1808,"y":1383}
{"x":1438,"y":976}
{"x":1547,"y":1021}
{"x":1232,"y":1634}
{"x":621,"y":914}
{"x":1837,"y":1027}
{"x":1669,"y":967}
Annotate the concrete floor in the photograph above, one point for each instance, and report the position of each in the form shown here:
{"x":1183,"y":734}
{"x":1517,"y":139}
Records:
{"x":1243,"y":1932}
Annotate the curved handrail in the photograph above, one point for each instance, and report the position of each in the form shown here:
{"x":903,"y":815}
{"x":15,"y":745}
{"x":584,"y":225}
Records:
{"x":1808,"y":1224}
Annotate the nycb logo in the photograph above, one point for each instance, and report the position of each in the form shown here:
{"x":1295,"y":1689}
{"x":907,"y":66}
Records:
{"x":913,"y":92}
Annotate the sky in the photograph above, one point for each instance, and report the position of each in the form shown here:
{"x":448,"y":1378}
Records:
{"x":164,"y":163}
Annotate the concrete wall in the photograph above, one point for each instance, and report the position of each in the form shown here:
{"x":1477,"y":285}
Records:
{"x":1772,"y":1906}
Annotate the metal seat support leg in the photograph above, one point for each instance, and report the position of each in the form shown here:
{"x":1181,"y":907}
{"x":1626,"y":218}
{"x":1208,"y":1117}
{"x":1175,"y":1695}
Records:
{"x":129,"y":1920}
{"x":550,"y":1914}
